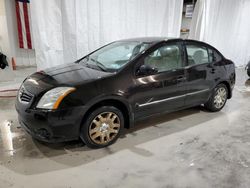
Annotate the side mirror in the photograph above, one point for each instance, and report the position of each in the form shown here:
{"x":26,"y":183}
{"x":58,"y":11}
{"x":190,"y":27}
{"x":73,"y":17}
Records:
{"x":146,"y":70}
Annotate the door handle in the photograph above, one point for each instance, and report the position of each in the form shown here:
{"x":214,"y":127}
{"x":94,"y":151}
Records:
{"x":181,"y":79}
{"x":212,"y":70}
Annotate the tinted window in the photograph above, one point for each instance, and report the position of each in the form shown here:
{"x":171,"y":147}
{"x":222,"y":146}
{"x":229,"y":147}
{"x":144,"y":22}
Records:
{"x":165,"y":58}
{"x":197,"y":55}
{"x":214,"y":56}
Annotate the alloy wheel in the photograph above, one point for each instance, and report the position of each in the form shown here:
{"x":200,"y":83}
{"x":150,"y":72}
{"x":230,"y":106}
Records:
{"x":104,"y":128}
{"x":220,"y":97}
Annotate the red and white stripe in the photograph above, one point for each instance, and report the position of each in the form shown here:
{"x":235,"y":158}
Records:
{"x":23,"y":24}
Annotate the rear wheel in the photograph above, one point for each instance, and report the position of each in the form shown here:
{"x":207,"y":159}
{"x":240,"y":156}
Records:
{"x":218,"y":98}
{"x":102,"y":127}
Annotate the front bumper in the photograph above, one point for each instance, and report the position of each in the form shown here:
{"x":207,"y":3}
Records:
{"x":52,"y":126}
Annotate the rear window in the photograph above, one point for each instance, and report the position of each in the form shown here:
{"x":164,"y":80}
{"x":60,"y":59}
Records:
{"x":214,"y":56}
{"x":197,"y":54}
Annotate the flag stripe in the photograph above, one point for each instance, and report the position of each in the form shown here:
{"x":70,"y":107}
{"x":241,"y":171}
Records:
{"x":27,"y":25}
{"x":23,"y":25}
{"x":19,"y":26}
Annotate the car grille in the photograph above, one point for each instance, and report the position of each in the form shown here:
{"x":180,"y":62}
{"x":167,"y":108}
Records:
{"x":24,"y":96}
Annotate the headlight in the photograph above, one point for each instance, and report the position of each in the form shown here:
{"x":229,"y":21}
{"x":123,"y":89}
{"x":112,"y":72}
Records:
{"x":52,"y":98}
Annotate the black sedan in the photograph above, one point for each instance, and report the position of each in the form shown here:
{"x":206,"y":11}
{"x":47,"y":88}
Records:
{"x":97,"y":96}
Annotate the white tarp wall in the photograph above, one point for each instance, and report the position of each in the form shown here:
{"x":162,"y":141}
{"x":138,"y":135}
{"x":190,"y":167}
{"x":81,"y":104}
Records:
{"x":65,"y":30}
{"x":6,"y":74}
{"x":224,"y":24}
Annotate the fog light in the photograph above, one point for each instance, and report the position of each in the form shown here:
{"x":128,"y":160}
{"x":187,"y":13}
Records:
{"x":44,"y":133}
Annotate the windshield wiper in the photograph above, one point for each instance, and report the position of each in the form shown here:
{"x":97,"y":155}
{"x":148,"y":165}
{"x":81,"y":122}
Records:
{"x":98,"y":64}
{"x":79,"y":60}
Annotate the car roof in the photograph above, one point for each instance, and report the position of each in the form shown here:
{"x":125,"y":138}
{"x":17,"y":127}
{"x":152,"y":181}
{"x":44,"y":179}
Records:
{"x":159,"y":39}
{"x":154,"y":40}
{"x":149,"y":39}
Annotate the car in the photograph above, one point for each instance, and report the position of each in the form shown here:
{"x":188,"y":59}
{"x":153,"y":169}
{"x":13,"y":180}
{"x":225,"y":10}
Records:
{"x":110,"y":89}
{"x":248,"y":68}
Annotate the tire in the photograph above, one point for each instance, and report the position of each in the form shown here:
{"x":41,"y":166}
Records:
{"x":218,"y":98}
{"x":248,"y":73}
{"x":102,"y":127}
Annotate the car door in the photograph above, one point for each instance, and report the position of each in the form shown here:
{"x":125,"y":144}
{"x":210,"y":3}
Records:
{"x":199,"y":73}
{"x":164,"y":89}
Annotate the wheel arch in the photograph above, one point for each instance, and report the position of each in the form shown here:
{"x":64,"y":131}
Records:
{"x":125,"y":109}
{"x":226,"y":83}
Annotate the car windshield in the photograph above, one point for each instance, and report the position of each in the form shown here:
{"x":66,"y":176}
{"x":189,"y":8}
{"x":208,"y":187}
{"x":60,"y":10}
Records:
{"x":114,"y":56}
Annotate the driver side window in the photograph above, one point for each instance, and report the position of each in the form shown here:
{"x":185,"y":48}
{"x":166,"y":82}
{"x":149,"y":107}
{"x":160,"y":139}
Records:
{"x":165,"y":58}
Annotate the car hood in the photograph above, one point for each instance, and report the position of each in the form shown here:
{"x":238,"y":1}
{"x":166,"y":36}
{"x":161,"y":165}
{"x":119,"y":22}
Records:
{"x":74,"y":73}
{"x":63,"y":75}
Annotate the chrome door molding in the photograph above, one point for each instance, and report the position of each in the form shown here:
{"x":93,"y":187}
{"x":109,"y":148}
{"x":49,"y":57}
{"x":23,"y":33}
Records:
{"x":173,"y":98}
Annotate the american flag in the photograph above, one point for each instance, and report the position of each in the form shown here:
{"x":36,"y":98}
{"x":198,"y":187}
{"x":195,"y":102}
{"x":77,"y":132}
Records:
{"x":23,"y":23}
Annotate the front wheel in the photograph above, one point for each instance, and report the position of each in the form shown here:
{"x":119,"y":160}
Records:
{"x":218,"y":98}
{"x":102,"y":127}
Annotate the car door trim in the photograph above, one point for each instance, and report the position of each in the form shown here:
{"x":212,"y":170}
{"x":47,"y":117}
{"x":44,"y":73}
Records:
{"x":173,"y":98}
{"x":197,"y":92}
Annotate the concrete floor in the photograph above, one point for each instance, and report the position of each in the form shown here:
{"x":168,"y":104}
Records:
{"x":190,"y":148}
{"x":10,"y":79}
